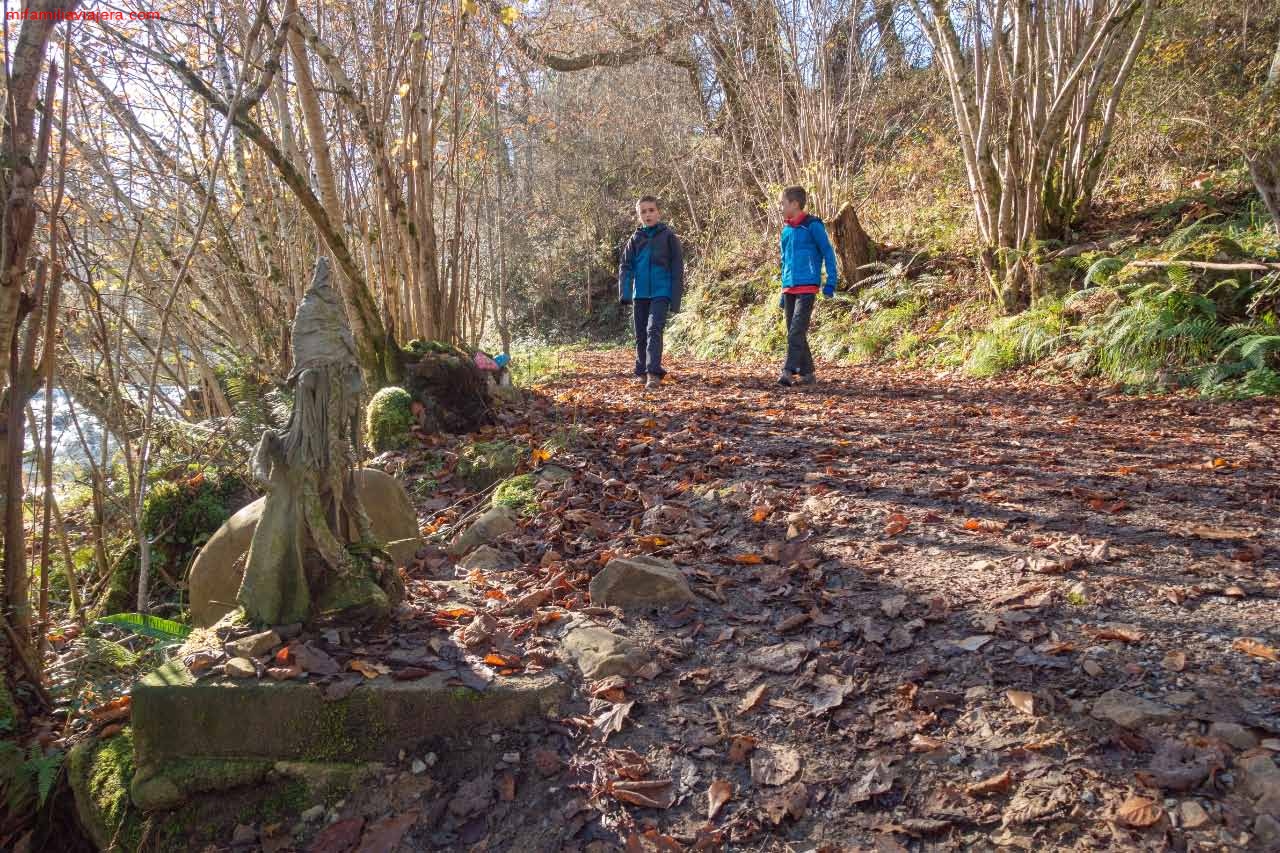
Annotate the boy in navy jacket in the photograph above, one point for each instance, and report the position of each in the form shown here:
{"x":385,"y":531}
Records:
{"x":805,"y":249}
{"x":651,"y":275}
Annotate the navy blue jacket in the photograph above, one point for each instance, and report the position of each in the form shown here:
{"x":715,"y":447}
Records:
{"x":652,"y":266}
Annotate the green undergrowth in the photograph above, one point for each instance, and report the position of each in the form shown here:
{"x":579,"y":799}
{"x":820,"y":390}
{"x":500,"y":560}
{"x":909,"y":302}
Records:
{"x":1142,"y":316}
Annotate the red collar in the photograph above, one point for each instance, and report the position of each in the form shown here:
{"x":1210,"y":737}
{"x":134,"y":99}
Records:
{"x":797,"y":220}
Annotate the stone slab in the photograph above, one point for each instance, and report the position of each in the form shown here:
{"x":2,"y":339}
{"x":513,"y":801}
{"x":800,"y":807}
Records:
{"x":177,"y":719}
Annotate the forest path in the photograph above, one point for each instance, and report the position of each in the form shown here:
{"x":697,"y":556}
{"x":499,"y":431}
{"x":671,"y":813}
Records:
{"x":929,"y":613}
{"x":911,"y":584}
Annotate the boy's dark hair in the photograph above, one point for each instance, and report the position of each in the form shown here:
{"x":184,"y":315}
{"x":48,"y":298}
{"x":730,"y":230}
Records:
{"x":652,"y":198}
{"x":796,"y":194}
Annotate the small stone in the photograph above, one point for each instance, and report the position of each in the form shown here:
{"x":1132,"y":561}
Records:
{"x":312,"y":814}
{"x":1235,"y":734}
{"x":244,"y":834}
{"x":495,"y":523}
{"x":600,"y":653}
{"x":1181,"y":698}
{"x":511,"y":757}
{"x":241,"y":668}
{"x":1092,"y":667}
{"x":431,"y":758}
{"x":640,"y":581}
{"x":1192,"y":815}
{"x":418,"y":767}
{"x":1260,"y":778}
{"x":1267,"y":828}
{"x":254,"y":645}
{"x":783,"y":658}
{"x":1130,"y":711}
{"x":486,"y":558}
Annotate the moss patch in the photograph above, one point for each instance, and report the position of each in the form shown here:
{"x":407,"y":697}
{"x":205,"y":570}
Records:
{"x":487,"y":462}
{"x":518,"y":494}
{"x":100,"y":773}
{"x":388,"y":418}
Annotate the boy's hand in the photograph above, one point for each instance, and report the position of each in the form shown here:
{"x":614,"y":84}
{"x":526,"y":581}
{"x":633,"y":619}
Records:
{"x":829,"y":291}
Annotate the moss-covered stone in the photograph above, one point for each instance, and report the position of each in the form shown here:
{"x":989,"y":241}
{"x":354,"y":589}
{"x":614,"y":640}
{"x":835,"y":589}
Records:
{"x":388,"y":418}
{"x":100,"y":773}
{"x":354,"y":597}
{"x":518,"y":494}
{"x":487,"y":462}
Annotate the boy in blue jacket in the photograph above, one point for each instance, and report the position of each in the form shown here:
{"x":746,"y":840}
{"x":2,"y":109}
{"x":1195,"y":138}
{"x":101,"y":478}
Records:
{"x":805,"y":248}
{"x":651,"y":275}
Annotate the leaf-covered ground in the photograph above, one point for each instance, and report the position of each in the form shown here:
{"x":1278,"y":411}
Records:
{"x":930,"y":614}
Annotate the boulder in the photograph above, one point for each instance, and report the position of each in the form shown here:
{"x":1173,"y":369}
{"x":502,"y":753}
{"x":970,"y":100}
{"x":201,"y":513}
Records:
{"x":216,"y":573}
{"x":1260,"y":777}
{"x":254,"y":645}
{"x":1235,"y":734}
{"x":1130,"y":711}
{"x":600,"y":653}
{"x":493,"y":524}
{"x":641,"y":581}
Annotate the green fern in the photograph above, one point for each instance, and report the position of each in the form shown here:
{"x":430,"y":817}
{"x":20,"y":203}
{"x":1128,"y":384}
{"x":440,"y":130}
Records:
{"x":44,"y":769}
{"x":148,"y":626}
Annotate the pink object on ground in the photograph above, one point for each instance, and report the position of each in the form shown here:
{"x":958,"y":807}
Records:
{"x":484,"y":362}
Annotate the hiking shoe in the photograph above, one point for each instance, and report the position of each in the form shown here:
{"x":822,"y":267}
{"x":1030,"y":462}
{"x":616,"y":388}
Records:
{"x":807,"y":379}
{"x":653,"y":381}
{"x":785,"y":379}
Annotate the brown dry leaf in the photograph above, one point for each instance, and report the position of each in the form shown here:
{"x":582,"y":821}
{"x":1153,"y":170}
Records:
{"x":774,"y":765}
{"x":740,"y":747}
{"x":1219,"y":533}
{"x":1123,"y":633}
{"x":611,"y":720}
{"x":761,"y":513}
{"x":1251,"y":646}
{"x":1139,"y":812}
{"x":652,"y":543}
{"x":792,"y":800}
{"x":367,"y":669}
{"x":895,"y":524}
{"x":972,"y":644}
{"x":1022,"y":700}
{"x":752,"y":699}
{"x":506,"y":785}
{"x":997,"y":784}
{"x":748,"y":559}
{"x":924,"y":743}
{"x":650,"y":793}
{"x":720,"y":792}
{"x":1174,"y":661}
{"x":985,"y":525}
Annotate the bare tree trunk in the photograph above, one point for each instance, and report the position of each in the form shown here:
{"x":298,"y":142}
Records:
{"x":1264,"y":163}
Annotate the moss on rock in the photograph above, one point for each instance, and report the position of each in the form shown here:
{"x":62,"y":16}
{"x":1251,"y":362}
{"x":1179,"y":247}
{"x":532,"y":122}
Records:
{"x":487,"y":462}
{"x":100,"y":773}
{"x":388,"y":418}
{"x":518,"y":494}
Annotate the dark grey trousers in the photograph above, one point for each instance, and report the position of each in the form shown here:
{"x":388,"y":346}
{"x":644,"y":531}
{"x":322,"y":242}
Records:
{"x":650,"y":319}
{"x":799,"y":310}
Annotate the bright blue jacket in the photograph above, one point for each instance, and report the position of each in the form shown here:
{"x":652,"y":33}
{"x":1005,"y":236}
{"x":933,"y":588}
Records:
{"x":805,"y":247}
{"x":652,"y":266}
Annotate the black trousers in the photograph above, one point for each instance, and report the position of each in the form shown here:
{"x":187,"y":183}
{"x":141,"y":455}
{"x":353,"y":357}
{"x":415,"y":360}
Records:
{"x":799,"y":310}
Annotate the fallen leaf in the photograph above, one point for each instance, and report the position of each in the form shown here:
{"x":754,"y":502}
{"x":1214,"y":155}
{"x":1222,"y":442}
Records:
{"x":740,"y":747}
{"x":1139,"y":812}
{"x":895,"y":524}
{"x":385,"y":835}
{"x":720,"y":792}
{"x":611,"y":720}
{"x":748,"y":559}
{"x":997,"y":784}
{"x":752,"y":700}
{"x":506,"y":785}
{"x":774,"y":765}
{"x":1175,"y":661}
{"x":650,"y":793}
{"x":761,"y":513}
{"x":792,"y":800}
{"x":1250,"y":646}
{"x":878,"y":779}
{"x":1022,"y":700}
{"x":1123,"y":633}
{"x":972,"y":644}
{"x":338,"y":837}
{"x":368,"y":669}
{"x":893,"y":605}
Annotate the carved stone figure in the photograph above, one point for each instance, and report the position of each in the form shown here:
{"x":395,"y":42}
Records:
{"x":300,"y":564}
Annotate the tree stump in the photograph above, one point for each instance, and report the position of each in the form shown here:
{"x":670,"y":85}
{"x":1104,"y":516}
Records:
{"x":853,"y":247}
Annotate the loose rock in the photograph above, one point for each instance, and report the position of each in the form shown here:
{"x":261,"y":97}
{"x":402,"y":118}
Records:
{"x":241,"y":668}
{"x":600,"y":653}
{"x":640,"y":581}
{"x":254,"y":645}
{"x":1130,"y":711}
